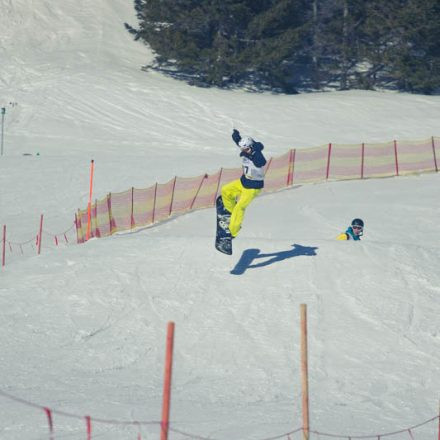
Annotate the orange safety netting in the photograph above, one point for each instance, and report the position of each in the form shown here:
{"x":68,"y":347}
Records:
{"x":142,"y":207}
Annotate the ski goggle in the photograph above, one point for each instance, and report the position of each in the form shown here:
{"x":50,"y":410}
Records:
{"x":356,"y":227}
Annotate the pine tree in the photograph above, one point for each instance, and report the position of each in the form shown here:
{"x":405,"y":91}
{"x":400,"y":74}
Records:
{"x":290,"y":45}
{"x":224,"y":42}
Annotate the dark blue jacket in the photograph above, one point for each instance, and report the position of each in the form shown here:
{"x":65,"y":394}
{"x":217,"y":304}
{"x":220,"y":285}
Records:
{"x":257,"y":159}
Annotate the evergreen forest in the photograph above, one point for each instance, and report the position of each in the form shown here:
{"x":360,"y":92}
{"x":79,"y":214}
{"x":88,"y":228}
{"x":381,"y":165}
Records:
{"x":291,"y":46}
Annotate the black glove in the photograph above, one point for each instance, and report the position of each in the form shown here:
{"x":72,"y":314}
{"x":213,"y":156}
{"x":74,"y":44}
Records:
{"x":235,"y":132}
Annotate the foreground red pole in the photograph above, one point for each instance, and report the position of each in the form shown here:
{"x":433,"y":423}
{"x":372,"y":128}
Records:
{"x":304,"y":373}
{"x":89,"y":206}
{"x":4,"y":246}
{"x":167,"y":383}
{"x":40,"y":234}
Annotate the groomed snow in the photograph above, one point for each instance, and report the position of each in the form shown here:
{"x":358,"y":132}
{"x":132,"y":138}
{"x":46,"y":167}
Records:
{"x":82,"y":327}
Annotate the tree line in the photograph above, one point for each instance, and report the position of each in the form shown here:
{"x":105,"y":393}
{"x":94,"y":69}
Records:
{"x":290,"y":46}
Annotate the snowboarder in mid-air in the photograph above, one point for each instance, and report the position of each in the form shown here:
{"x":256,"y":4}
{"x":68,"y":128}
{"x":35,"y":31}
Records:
{"x":237,"y":195}
{"x":353,"y":232}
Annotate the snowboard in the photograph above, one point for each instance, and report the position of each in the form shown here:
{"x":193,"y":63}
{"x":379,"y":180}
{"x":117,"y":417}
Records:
{"x":223,"y":237}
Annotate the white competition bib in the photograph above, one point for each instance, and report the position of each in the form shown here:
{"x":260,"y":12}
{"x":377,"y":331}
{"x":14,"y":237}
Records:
{"x":252,"y":172}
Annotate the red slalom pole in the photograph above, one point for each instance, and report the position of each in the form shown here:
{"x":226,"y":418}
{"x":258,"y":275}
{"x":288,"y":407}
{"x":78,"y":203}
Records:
{"x":167,"y":383}
{"x":89,"y":206}
{"x":328,"y":160}
{"x":396,"y":158}
{"x":40,"y":234}
{"x":4,"y":246}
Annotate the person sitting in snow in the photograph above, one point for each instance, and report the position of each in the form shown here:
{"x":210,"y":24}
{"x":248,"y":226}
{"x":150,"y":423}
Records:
{"x":238,"y":194}
{"x":353,"y":232}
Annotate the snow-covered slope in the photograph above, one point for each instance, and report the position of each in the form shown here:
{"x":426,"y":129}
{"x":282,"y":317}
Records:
{"x":83,"y":328}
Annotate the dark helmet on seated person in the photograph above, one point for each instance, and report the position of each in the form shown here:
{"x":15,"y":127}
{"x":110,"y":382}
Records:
{"x":357,"y":225}
{"x":357,"y":222}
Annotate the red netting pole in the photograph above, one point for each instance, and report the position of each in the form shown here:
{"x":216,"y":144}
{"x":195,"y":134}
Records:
{"x":49,"y":421}
{"x":218,"y":185}
{"x":268,"y":166}
{"x":97,"y":232}
{"x":78,"y":240}
{"x":198,"y":190}
{"x":172,"y":196}
{"x":291,"y":162}
{"x":40,"y":235}
{"x":89,"y":206}
{"x":109,"y":210}
{"x":167,"y":382}
{"x":328,"y":160}
{"x":154,"y":203}
{"x":293,"y":165}
{"x":89,"y":427}
{"x":395,"y":156}
{"x":4,"y":246}
{"x":362,"y":160}
{"x":435,"y":156}
{"x":132,"y":209}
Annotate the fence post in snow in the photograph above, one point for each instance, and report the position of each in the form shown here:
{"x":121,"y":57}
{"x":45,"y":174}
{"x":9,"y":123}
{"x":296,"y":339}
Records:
{"x":291,"y":167}
{"x":395,"y":156}
{"x":362,"y":160}
{"x":109,"y":210}
{"x":40,"y":234}
{"x":154,"y":204}
{"x":304,"y":372}
{"x":97,"y":232}
{"x":198,"y":190}
{"x":132,"y":209}
{"x":89,"y":207}
{"x":218,"y":185}
{"x":435,"y":159}
{"x":167,"y":382}
{"x":328,"y":159}
{"x":268,"y":166}
{"x":78,"y":225}
{"x":172,"y":196}
{"x":4,"y":246}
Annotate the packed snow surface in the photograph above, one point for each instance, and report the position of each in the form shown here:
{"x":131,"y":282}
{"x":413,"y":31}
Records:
{"x":83,"y":327}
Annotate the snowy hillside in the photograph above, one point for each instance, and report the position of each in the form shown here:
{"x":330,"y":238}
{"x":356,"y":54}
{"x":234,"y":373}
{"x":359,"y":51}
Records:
{"x":83,"y":327}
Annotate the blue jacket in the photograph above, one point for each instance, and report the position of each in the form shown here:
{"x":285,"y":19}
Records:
{"x":351,"y":235}
{"x":256,"y":159}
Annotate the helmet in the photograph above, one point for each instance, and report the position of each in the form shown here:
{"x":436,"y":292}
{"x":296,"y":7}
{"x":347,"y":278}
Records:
{"x":246,"y":142}
{"x":357,"y":222}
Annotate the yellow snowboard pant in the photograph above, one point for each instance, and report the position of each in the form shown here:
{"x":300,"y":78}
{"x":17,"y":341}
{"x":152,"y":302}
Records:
{"x":236,"y":199}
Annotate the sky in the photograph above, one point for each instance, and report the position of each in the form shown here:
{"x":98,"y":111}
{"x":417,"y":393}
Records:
{"x":83,"y":327}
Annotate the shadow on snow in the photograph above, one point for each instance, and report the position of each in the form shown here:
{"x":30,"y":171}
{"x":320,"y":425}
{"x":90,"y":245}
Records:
{"x":249,"y":255}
